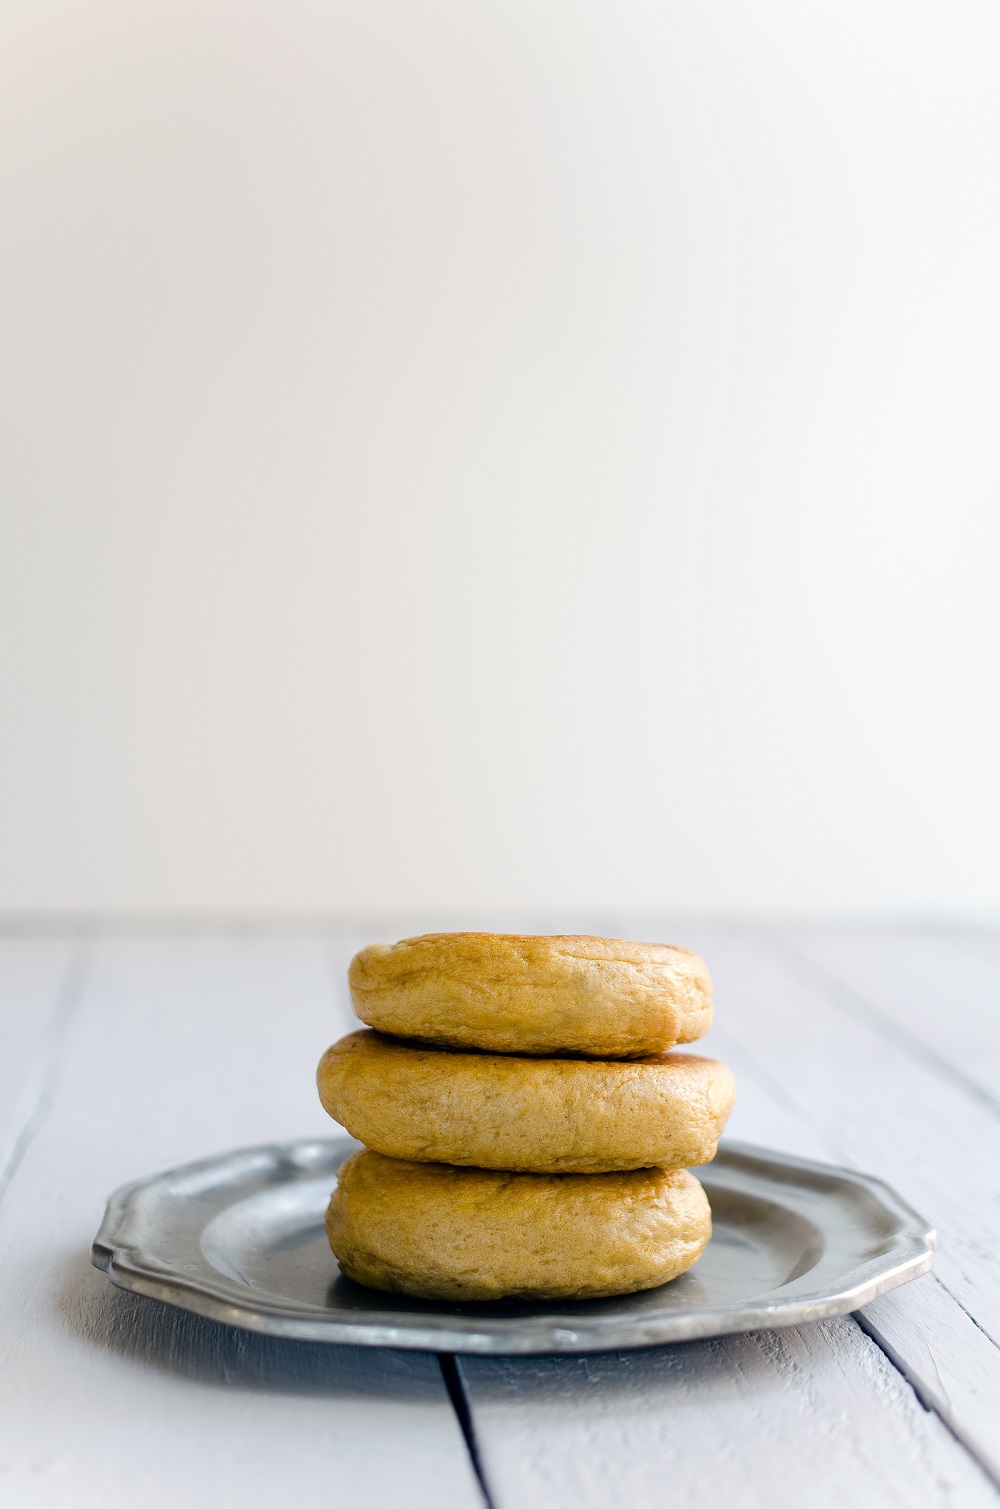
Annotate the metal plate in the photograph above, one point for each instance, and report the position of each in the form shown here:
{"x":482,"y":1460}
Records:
{"x":240,"y":1238}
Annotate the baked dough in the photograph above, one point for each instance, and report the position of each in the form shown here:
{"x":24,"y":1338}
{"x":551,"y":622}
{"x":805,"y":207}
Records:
{"x":538,"y":1115}
{"x":509,"y":993}
{"x":472,"y":1234}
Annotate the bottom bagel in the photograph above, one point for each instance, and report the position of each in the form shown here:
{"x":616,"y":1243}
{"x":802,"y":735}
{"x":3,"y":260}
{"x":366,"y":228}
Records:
{"x":439,"y":1232}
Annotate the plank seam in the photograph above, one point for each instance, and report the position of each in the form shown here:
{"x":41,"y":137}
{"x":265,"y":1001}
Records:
{"x":924,"y":1395}
{"x":455,"y":1385}
{"x":67,"y":1000}
{"x":965,"y":1311}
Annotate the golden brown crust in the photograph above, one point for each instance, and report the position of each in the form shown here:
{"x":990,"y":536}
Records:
{"x":539,"y":1115}
{"x":457,"y":1234}
{"x":508,"y":993}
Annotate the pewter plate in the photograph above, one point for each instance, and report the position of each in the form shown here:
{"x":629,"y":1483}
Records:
{"x":239,"y":1238}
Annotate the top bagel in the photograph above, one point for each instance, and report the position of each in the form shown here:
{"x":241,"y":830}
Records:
{"x":508,"y":993}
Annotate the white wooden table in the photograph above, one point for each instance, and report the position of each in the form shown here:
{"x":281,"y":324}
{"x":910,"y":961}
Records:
{"x":121,"y":1053}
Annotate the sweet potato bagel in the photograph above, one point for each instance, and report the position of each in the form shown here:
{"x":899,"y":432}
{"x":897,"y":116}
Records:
{"x":472,"y":1234}
{"x":537,"y":1115}
{"x":508,"y":993}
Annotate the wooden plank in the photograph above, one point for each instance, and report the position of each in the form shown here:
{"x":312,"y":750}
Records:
{"x":39,"y":985}
{"x":869,"y":1101}
{"x":826,"y":1084}
{"x":941,"y":994}
{"x":181,"y":1047}
{"x":951,"y":1363}
{"x":813,"y":1416}
{"x":942,"y":991}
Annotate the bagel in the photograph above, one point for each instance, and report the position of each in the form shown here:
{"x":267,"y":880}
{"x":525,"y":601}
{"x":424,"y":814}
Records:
{"x":535,"y":1115}
{"x":508,"y":993}
{"x":455,"y":1234}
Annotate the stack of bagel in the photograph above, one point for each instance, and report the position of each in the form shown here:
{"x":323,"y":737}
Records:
{"x":527,"y":1130}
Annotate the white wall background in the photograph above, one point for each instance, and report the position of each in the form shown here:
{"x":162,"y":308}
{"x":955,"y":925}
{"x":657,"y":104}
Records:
{"x":500,"y":451}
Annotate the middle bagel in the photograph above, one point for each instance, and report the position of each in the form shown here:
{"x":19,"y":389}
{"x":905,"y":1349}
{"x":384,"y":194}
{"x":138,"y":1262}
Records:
{"x":530,"y":1115}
